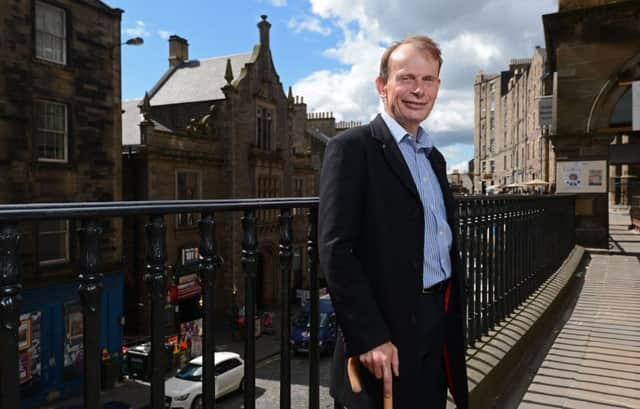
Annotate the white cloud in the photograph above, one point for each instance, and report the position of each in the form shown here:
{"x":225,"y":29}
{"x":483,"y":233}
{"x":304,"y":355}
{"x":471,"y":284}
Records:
{"x":478,"y":35}
{"x":306,"y":23}
{"x":164,"y":34}
{"x":138,"y":31}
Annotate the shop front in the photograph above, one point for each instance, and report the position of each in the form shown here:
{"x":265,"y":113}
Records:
{"x":50,"y":339}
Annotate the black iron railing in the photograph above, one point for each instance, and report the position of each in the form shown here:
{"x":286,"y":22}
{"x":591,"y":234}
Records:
{"x":508,"y":246}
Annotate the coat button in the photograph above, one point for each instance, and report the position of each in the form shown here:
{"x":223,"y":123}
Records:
{"x":412,"y":320}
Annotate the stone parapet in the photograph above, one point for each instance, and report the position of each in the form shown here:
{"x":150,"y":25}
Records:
{"x":499,"y":353}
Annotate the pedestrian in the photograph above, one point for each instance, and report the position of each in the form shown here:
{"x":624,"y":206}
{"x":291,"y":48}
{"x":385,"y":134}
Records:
{"x":387,"y":243}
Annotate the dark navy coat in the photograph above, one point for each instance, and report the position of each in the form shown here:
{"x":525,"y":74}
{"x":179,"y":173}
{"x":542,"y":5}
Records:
{"x":371,"y":238}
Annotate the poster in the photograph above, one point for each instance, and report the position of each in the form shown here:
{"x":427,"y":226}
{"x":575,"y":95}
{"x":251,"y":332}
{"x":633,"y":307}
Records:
{"x":581,"y":177}
{"x":29,"y":346}
{"x":73,"y":348}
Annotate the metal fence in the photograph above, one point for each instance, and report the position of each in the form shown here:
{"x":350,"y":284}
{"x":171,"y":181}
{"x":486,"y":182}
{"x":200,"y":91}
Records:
{"x":508,"y":246}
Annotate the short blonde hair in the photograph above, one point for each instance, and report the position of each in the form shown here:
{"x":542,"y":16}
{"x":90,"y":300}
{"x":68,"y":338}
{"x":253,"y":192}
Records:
{"x":421,"y":42}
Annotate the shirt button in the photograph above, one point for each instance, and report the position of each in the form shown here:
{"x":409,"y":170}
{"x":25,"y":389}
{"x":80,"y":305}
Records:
{"x":424,"y":179}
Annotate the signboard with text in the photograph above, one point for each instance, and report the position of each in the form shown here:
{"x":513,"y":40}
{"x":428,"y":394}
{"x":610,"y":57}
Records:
{"x":581,"y":177}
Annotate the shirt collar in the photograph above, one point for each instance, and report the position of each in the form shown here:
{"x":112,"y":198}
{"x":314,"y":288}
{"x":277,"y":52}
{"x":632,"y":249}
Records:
{"x":423,"y":140}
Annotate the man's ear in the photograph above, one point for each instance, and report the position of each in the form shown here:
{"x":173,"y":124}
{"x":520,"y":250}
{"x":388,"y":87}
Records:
{"x":380,"y":87}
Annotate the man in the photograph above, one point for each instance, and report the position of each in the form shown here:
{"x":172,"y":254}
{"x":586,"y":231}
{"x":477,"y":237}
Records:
{"x":387,"y":246}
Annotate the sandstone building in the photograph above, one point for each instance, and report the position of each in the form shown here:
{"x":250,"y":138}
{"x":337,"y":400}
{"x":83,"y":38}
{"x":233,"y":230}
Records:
{"x":219,"y":128}
{"x":594,"y":56}
{"x":60,"y":141}
{"x":511,"y":146}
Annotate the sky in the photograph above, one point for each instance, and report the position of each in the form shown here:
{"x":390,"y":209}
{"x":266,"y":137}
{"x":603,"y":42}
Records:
{"x":329,"y":50}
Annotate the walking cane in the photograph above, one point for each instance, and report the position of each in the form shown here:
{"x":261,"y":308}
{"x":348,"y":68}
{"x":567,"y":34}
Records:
{"x":356,"y":386}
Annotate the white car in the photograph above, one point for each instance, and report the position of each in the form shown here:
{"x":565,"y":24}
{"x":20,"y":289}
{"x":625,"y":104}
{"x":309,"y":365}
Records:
{"x":184,"y":391}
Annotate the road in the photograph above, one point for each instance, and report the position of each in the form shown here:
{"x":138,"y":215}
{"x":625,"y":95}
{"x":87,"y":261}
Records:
{"x":268,"y":385}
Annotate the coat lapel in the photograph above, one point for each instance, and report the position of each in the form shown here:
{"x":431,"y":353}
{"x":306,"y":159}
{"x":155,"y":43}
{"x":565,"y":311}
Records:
{"x":392,"y":154}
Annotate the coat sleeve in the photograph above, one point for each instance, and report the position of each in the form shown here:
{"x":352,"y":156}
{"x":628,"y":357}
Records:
{"x":341,"y":213}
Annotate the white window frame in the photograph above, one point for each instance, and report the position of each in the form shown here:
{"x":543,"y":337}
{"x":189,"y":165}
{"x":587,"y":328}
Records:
{"x":65,"y":232}
{"x":42,"y":129}
{"x":43,"y":33}
{"x":198,"y":197}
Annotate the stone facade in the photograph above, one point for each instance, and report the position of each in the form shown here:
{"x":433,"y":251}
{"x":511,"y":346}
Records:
{"x":594,"y":54}
{"x":510,"y":147}
{"x":243,"y":138}
{"x":60,"y":121}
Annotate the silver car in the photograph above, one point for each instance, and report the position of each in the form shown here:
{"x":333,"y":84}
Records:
{"x":184,"y":391}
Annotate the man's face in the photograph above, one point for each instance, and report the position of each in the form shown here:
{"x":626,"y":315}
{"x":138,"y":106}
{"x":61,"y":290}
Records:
{"x":412,"y":86}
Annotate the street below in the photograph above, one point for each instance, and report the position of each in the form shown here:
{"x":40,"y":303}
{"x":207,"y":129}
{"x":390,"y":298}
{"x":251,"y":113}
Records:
{"x":268,"y":385}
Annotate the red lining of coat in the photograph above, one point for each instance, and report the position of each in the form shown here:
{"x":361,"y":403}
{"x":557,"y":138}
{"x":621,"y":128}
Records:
{"x":445,"y":353}
{"x":447,"y":368}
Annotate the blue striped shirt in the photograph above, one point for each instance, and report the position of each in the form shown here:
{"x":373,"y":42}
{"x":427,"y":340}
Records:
{"x":437,"y":234}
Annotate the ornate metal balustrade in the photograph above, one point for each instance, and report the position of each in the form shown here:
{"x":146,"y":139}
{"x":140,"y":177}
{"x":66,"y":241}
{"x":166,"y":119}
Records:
{"x":508,"y":246}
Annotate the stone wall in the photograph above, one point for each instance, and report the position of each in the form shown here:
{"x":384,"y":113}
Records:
{"x":89,"y":85}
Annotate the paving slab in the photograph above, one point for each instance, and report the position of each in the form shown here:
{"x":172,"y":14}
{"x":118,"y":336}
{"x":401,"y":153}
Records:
{"x":595,"y":360}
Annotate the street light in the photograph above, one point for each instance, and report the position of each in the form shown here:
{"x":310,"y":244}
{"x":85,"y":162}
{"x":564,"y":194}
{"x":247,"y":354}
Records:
{"x":134,"y":41}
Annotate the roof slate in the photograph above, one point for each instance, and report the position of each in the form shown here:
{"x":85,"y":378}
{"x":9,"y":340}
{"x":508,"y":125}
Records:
{"x":198,"y":80}
{"x":131,"y":118}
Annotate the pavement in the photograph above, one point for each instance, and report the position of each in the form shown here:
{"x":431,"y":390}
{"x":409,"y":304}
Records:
{"x":595,"y":360}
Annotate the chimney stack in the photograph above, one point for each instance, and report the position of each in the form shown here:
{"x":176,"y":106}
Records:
{"x":178,"y":50}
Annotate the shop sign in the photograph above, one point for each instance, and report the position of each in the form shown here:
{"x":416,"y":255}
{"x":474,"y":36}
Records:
{"x":581,"y":176}
{"x":188,"y":286}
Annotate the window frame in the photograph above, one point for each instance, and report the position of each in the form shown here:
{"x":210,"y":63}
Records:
{"x":264,"y":127}
{"x":38,"y":130}
{"x":41,"y":6}
{"x":67,"y":243}
{"x":198,"y":196}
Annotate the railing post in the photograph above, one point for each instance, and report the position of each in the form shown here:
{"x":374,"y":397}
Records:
{"x":501,"y":271}
{"x":249,"y":265}
{"x":285,"y":328}
{"x":485,"y":270}
{"x":464,"y":259}
{"x":90,"y":289}
{"x":157,"y":281}
{"x":491,"y":264}
{"x":511,"y":256}
{"x":210,"y":263}
{"x":10,"y":303}
{"x":475,"y":270}
{"x":314,"y":368}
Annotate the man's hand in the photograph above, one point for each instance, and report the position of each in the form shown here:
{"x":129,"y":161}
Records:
{"x":381,"y":360}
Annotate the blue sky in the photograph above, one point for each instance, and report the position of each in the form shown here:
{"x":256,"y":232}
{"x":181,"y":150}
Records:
{"x":328,"y":50}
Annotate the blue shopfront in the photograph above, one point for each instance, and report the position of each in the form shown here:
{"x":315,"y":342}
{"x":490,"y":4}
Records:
{"x":50,"y":339}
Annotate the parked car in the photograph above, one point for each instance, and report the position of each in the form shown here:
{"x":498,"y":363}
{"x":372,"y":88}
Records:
{"x":301,"y":331}
{"x":184,"y":391}
{"x":107,"y":405}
